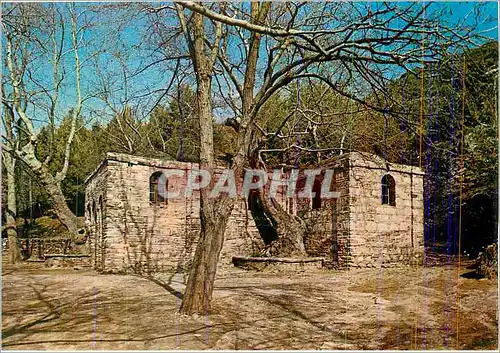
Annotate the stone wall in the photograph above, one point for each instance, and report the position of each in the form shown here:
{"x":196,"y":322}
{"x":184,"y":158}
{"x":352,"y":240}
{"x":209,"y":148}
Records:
{"x":38,"y":248}
{"x":95,"y":220}
{"x":135,"y":235}
{"x":131,"y":234}
{"x":328,"y":226}
{"x":382,"y":235}
{"x":76,"y":262}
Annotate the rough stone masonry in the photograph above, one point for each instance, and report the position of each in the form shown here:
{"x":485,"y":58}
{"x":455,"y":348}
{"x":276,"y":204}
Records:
{"x":376,"y":222}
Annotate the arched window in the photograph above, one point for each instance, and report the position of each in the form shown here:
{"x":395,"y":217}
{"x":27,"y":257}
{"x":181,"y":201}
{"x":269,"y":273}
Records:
{"x":388,"y":190}
{"x":155,"y":196}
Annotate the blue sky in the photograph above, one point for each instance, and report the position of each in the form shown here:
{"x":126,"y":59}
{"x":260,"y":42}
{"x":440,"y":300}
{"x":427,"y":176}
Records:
{"x":136,"y":33}
{"x":458,"y":10}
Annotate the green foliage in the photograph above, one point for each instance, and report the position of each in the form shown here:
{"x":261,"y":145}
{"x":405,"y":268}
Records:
{"x":467,"y":110}
{"x":481,"y":141}
{"x":47,"y":226}
{"x":174,"y":131}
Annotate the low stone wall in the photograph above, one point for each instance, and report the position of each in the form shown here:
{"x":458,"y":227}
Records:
{"x":278,"y":264}
{"x":38,"y":248}
{"x":388,"y":249}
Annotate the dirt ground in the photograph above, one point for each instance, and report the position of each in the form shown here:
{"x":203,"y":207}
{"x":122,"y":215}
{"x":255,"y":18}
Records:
{"x":360,"y":309}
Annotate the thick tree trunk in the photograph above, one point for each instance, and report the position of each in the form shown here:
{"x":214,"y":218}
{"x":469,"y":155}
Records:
{"x":214,"y":214}
{"x":291,"y":229}
{"x":11,"y":211}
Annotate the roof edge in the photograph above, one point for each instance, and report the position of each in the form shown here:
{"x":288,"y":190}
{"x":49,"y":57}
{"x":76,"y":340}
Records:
{"x":137,"y":160}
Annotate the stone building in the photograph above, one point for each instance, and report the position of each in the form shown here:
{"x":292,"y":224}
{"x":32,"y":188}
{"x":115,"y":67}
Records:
{"x":377,"y":221}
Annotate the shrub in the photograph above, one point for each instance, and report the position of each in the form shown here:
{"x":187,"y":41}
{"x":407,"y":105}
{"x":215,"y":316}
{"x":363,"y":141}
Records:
{"x":488,"y":262}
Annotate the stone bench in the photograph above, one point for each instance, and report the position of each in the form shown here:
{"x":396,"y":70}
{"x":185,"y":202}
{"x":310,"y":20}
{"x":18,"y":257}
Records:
{"x":75,"y":261}
{"x":278,"y":264}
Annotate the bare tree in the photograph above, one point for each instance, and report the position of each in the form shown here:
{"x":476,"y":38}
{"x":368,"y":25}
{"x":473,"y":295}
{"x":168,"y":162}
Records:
{"x":334,"y":43}
{"x":214,"y":212}
{"x":9,"y":163}
{"x":27,"y":95}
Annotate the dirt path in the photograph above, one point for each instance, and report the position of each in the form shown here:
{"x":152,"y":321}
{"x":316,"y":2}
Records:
{"x":359,"y":309}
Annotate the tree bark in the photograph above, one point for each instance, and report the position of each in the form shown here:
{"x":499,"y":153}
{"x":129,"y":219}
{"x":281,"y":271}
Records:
{"x":26,"y":153}
{"x":11,"y":210}
{"x":291,"y":229}
{"x":198,"y":295}
{"x":10,"y":168}
{"x":53,"y":187}
{"x":214,"y":212}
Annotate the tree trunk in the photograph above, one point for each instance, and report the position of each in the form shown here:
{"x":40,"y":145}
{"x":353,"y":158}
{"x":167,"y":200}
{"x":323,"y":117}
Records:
{"x":291,"y":229}
{"x":53,"y":187}
{"x":11,"y":210}
{"x":199,"y":289}
{"x":214,"y":212}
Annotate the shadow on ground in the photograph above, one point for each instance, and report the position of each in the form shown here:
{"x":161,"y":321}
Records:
{"x":360,"y":309}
